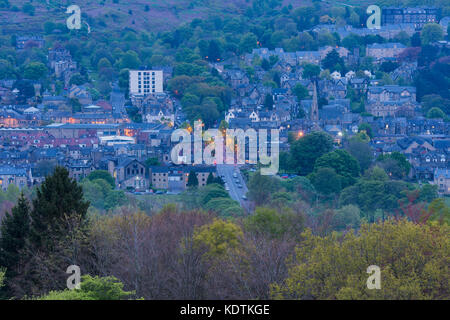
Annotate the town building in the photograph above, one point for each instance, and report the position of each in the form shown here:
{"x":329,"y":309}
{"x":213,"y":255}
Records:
{"x":145,"y":82}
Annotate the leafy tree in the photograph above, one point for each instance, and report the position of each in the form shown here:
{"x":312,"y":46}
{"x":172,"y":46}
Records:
{"x":306,"y":150}
{"x":212,"y":191}
{"x":247,"y":43}
{"x":129,"y":60}
{"x":224,"y":207}
{"x":326,"y":181}
{"x":343,"y":163}
{"x":361,"y":151}
{"x":92,"y":288}
{"x":300,"y":92}
{"x":28,"y":8}
{"x":102,"y":174}
{"x":153,"y":161}
{"x":367,"y":128}
{"x":435,"y":113}
{"x":412,"y":259}
{"x":434,"y":100}
{"x":395,"y":164}
{"x":310,"y":71}
{"x":370,"y":194}
{"x":2,"y":277}
{"x":430,"y":33}
{"x":34,"y":71}
{"x":265,"y":64}
{"x":428,"y":192}
{"x":261,"y":187}
{"x":439,"y":211}
{"x":269,"y":222}
{"x":347,"y":217}
{"x":219,"y":237}
{"x":192,"y":179}
{"x":6,"y":70}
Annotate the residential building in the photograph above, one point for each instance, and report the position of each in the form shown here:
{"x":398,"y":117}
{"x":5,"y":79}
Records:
{"x":145,"y":82}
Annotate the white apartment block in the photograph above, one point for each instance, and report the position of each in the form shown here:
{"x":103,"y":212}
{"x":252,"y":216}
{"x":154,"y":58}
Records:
{"x":145,"y":82}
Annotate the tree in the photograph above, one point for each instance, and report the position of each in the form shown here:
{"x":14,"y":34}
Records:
{"x":92,"y":288}
{"x":310,"y":71}
{"x":261,"y":187}
{"x":265,"y":64}
{"x":247,"y":43}
{"x":2,"y":277}
{"x":153,"y":161}
{"x":346,"y":166}
{"x":210,"y":178}
{"x":347,"y":217}
{"x":212,"y":191}
{"x":58,"y":198}
{"x":435,"y":113}
{"x":361,"y":151}
{"x":430,"y":33}
{"x":268,"y":102}
{"x":333,"y":62}
{"x":269,"y":222}
{"x":219,"y":237}
{"x":300,"y":92}
{"x":326,"y":181}
{"x":306,"y":150}
{"x":28,"y":8}
{"x":439,"y":211}
{"x":34,"y":71}
{"x":129,"y":60}
{"x":14,"y":232}
{"x":102,"y":174}
{"x":367,"y":128}
{"x":214,"y":51}
{"x":192,"y":179}
{"x":412,"y":259}
{"x":395,"y":164}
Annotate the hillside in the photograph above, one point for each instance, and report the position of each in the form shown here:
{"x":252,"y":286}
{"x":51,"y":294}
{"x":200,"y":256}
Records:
{"x":149,"y":15}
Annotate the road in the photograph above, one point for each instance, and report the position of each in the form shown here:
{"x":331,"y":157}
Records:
{"x":226,"y":171}
{"x":117,"y":100}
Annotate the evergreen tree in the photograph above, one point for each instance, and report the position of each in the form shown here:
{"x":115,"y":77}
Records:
{"x":14,"y":231}
{"x":210,"y":179}
{"x":192,"y":179}
{"x":332,"y":61}
{"x":59,"y":198}
{"x":268,"y":102}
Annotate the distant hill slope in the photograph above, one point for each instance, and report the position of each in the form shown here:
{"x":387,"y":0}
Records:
{"x":151,"y":15}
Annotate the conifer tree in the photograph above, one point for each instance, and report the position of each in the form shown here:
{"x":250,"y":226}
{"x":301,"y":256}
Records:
{"x":58,"y":199}
{"x":210,"y":179}
{"x":14,"y":231}
{"x":192,"y":179}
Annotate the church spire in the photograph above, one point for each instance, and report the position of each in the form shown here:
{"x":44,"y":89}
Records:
{"x":315,"y":104}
